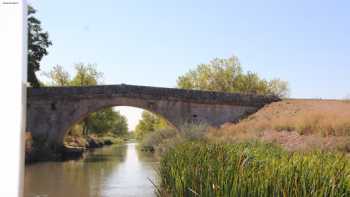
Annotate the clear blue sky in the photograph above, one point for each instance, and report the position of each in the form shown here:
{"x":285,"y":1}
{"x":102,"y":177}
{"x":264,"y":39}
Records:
{"x":153,"y":42}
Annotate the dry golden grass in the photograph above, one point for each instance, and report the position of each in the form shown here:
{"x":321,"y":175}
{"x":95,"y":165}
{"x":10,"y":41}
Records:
{"x":295,"y":124}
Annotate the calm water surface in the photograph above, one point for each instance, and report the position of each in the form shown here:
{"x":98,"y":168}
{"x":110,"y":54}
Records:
{"x":110,"y":171}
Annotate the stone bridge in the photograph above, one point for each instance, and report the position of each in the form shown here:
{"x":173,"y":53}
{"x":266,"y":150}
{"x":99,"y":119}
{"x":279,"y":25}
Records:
{"x":52,"y":111}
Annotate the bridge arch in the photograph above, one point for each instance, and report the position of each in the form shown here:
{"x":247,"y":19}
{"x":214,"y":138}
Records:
{"x":79,"y":116}
{"x":52,"y":110}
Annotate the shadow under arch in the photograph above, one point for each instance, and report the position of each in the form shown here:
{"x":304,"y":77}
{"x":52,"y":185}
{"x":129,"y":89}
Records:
{"x":117,"y":102}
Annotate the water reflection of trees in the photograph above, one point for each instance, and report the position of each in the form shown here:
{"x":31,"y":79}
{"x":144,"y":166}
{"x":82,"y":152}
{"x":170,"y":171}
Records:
{"x":74,"y":178}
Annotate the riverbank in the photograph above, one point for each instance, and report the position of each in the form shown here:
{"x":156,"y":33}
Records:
{"x":286,"y":148}
{"x":74,"y":147}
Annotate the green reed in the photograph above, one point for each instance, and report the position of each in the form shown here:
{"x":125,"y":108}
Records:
{"x":252,"y":169}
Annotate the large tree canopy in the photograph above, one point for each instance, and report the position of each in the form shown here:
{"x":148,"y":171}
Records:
{"x":38,"y":42}
{"x":107,"y":120}
{"x":227,"y":75}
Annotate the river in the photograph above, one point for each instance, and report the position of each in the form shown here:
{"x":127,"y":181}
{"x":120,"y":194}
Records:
{"x":118,"y":170}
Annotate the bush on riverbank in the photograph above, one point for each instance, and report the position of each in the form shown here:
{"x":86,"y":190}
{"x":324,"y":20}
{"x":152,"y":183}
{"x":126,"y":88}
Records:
{"x":92,"y":141}
{"x":74,"y":146}
{"x":161,"y":140}
{"x":252,"y":169}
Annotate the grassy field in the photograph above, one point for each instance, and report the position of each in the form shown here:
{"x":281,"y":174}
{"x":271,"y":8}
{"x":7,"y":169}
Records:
{"x":296,"y":125}
{"x":252,"y":169}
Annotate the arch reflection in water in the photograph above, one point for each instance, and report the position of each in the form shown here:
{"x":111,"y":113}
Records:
{"x":109,"y":171}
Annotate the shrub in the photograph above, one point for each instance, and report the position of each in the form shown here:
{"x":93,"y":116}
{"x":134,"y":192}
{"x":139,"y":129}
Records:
{"x":194,"y":131}
{"x":161,"y":140}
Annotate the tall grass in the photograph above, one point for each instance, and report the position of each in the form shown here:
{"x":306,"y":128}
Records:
{"x":252,"y":169}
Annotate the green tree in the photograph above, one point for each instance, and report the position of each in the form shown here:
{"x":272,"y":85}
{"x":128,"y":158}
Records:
{"x":148,"y":124}
{"x":38,"y":42}
{"x":251,"y":83}
{"x":108,"y":120}
{"x":58,"y":76}
{"x":86,"y":75}
{"x":279,"y":88}
{"x":100,"y":122}
{"x":218,"y":75}
{"x":227,"y":75}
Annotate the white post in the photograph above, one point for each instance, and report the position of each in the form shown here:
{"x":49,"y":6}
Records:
{"x":13,"y":77}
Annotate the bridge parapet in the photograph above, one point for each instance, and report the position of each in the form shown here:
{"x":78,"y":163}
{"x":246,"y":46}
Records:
{"x":153,"y":93}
